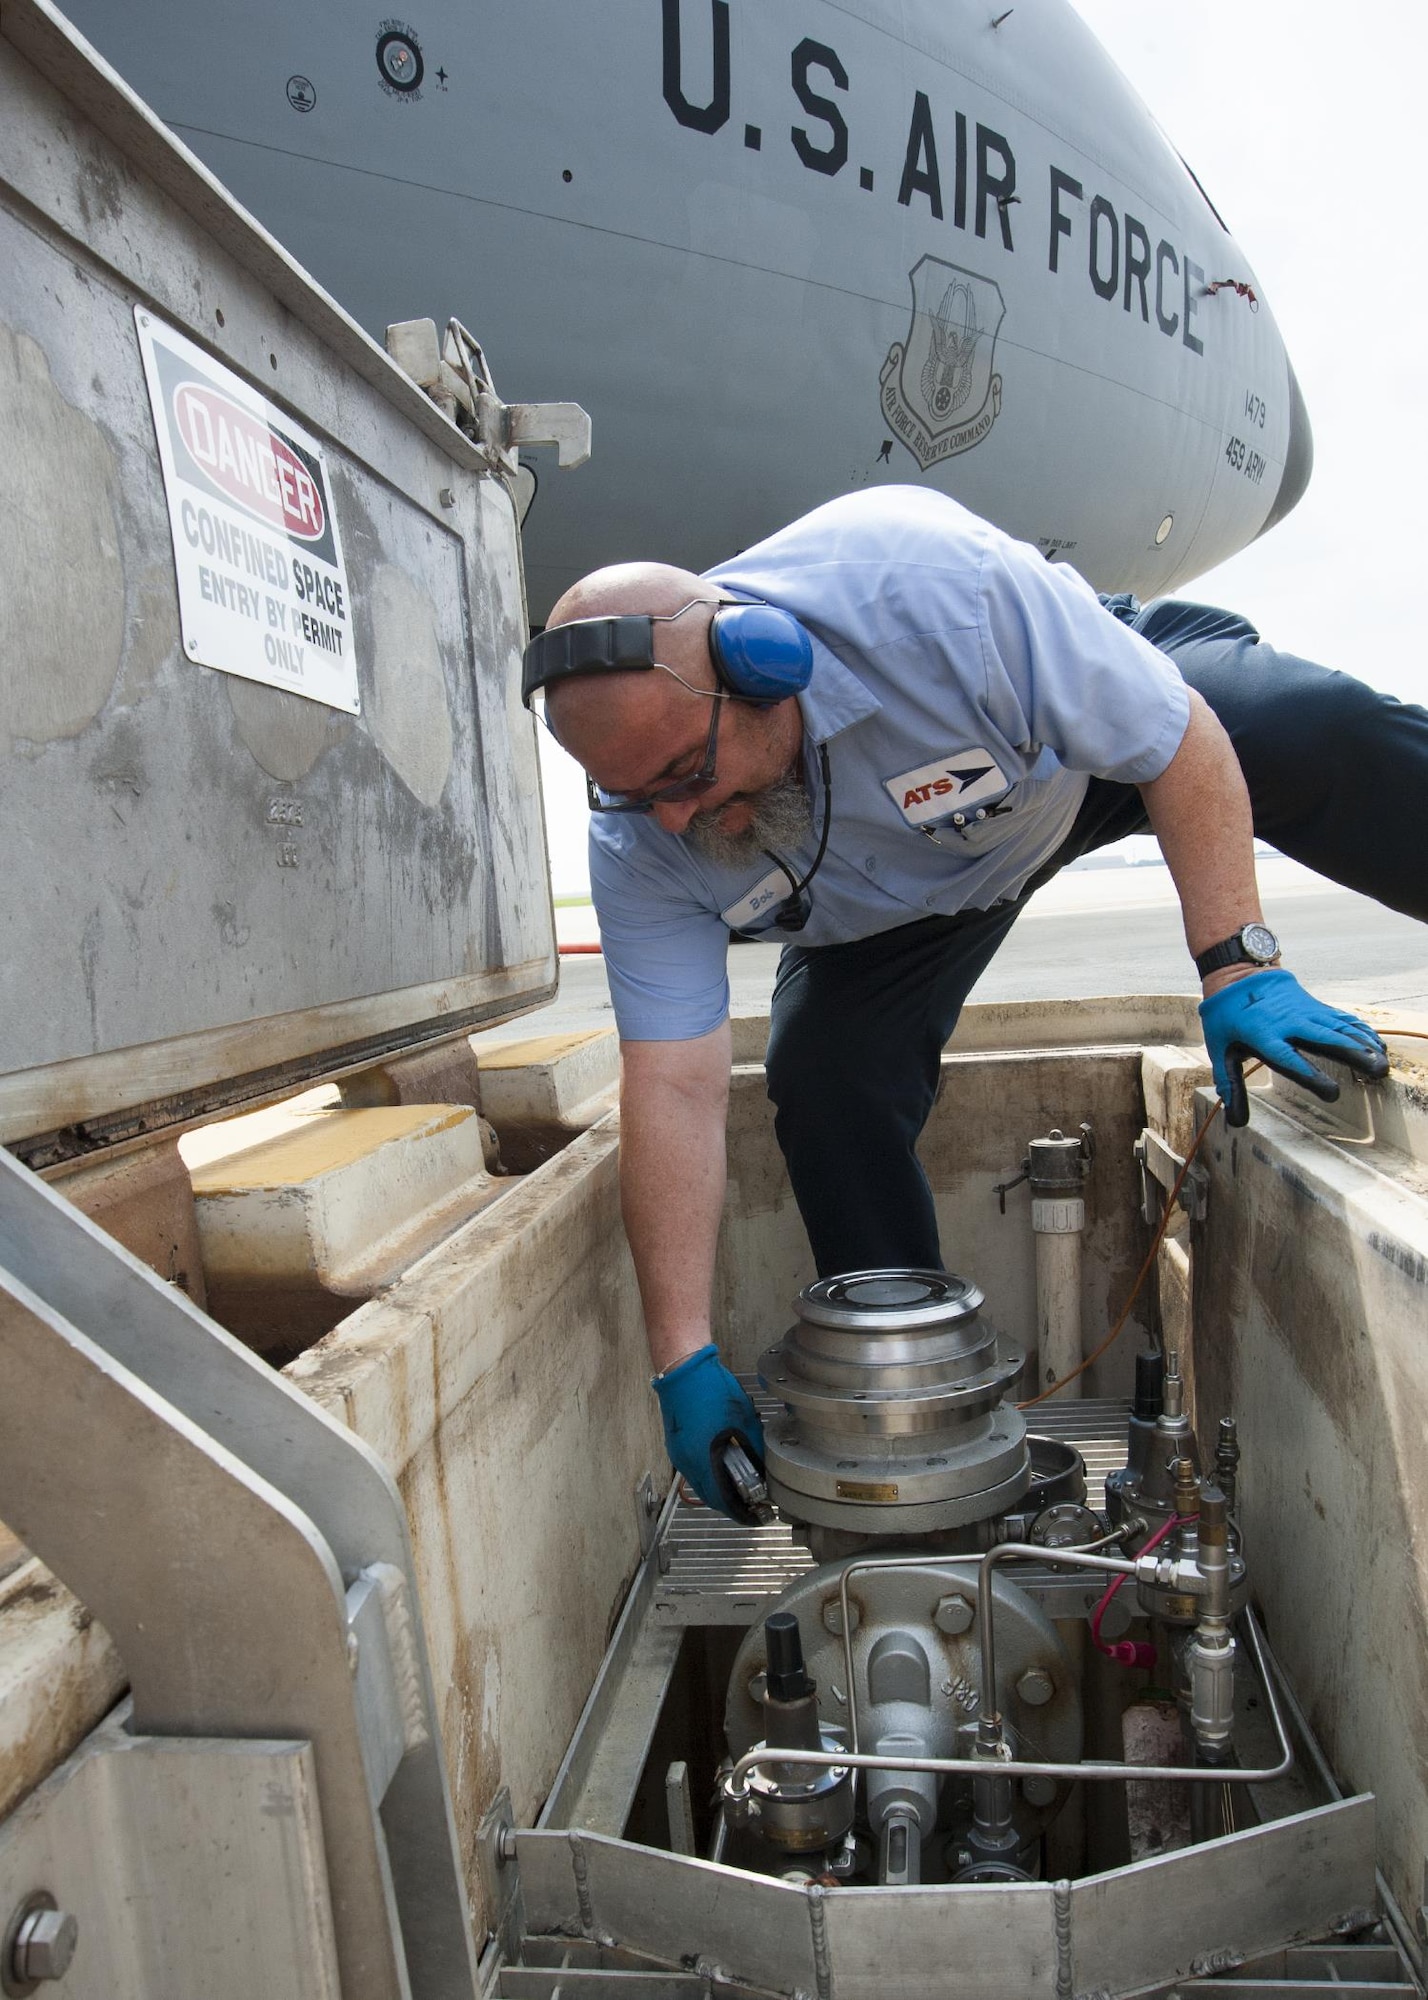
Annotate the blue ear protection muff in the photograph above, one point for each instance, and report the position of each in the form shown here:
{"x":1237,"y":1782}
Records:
{"x":760,"y":654}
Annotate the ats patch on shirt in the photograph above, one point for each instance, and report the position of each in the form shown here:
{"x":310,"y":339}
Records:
{"x":950,"y":784}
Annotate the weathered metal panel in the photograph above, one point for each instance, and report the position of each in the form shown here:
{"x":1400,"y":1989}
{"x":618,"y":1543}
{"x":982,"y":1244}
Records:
{"x":1153,"y":1921}
{"x":1244,"y":1894}
{"x":208,"y":882}
{"x":997,"y":1941}
{"x":191,"y":1866}
{"x":677,"y":1909}
{"x":256,"y":1509}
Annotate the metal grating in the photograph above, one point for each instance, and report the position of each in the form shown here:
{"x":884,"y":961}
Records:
{"x":1097,"y":1428}
{"x":1310,"y":1972}
{"x":714,"y":1572}
{"x":565,"y":1968}
{"x":717,"y":1573}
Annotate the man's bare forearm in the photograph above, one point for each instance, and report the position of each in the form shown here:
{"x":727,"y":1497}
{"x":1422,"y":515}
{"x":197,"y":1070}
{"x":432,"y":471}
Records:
{"x":674,"y":1099}
{"x":1201,"y":813}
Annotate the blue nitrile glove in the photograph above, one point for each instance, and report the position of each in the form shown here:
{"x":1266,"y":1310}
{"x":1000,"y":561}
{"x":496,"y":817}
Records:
{"x":703,"y":1406}
{"x":1268,"y":1015}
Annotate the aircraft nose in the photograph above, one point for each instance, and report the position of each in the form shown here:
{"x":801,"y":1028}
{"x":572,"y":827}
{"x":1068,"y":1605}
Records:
{"x":1298,"y":460}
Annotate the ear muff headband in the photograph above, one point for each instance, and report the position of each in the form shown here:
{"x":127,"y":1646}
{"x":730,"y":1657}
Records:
{"x":589,"y":646}
{"x":760,"y":654}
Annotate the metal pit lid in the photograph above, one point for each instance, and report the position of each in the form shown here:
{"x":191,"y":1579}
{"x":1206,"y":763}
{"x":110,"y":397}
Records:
{"x":214,"y":888}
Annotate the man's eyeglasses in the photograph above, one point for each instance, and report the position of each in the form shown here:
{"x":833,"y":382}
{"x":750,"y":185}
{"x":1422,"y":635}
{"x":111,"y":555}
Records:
{"x":678,"y":789}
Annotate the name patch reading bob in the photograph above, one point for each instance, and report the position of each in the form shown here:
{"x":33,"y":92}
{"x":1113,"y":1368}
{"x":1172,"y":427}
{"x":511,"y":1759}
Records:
{"x":262,"y":587}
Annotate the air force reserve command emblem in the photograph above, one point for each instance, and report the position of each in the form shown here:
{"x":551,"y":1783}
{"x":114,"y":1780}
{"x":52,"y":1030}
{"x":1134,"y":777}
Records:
{"x":939,"y":393}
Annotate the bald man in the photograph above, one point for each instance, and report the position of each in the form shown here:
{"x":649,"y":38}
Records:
{"x":874,"y":735}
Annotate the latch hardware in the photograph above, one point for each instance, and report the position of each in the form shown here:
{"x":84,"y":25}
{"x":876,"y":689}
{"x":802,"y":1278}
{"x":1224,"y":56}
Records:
{"x":457,"y":377}
{"x":1160,"y":1169}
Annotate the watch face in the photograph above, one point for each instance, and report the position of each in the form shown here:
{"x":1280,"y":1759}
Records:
{"x":1259,"y":942}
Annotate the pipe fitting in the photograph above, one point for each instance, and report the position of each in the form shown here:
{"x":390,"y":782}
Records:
{"x":1210,"y":1659}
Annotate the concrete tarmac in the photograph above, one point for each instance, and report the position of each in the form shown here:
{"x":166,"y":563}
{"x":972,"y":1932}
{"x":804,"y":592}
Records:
{"x":1095,"y":931}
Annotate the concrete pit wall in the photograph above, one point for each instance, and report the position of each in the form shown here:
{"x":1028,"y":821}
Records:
{"x":1308,"y":1285}
{"x":503,"y":1378}
{"x":504,"y":1381}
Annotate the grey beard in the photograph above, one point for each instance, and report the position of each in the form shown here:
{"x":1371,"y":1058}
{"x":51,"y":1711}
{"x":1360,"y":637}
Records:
{"x":780,"y":820}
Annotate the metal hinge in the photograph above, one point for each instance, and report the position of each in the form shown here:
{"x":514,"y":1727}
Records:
{"x":1160,"y":1168}
{"x":457,"y":377}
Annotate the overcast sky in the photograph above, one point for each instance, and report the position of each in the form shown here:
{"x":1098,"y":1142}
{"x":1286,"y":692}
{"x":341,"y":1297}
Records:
{"x":1305,"y":124}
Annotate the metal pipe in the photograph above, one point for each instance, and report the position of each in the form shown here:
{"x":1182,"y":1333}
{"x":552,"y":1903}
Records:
{"x":1015,"y":1767}
{"x":1028,"y":1552}
{"x":992,"y":1836}
{"x":1210,"y":1656}
{"x":1057,"y":1167}
{"x":863,"y":1563}
{"x":1058,"y":1304}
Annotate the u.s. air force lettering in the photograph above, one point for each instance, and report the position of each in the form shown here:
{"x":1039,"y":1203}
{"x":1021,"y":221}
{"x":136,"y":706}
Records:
{"x":940,"y":395}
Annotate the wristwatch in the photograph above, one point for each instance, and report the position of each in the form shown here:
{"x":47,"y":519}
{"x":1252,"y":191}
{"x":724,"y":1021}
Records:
{"x":1255,"y":944}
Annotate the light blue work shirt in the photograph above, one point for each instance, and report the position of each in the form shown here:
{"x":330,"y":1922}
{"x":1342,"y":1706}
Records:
{"x":964,"y":688}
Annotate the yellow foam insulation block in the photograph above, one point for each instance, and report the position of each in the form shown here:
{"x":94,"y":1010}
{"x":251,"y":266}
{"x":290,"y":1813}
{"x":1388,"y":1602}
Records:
{"x":537,"y":1049}
{"x":550,"y":1078}
{"x":339,"y":1199}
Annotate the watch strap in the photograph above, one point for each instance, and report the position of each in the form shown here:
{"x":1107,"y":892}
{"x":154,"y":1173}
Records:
{"x":1231,"y":951}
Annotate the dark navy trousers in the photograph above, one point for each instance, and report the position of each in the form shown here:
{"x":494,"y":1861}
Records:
{"x":1338,"y":778}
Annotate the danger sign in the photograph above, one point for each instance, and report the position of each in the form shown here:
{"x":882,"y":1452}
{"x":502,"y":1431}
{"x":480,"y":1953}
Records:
{"x":262,"y":586}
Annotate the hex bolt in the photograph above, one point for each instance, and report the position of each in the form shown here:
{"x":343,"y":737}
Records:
{"x":40,"y":1945}
{"x":953,"y":1615}
{"x":1036,"y":1687}
{"x":1038,"y":1791}
{"x":833,"y":1617}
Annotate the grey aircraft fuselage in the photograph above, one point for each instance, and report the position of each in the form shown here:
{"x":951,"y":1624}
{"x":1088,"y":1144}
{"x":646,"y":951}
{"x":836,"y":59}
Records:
{"x":779,"y":249}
